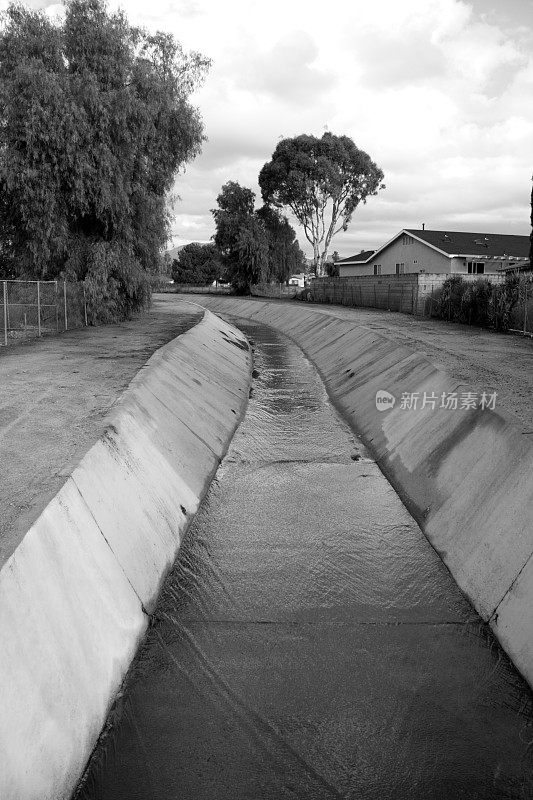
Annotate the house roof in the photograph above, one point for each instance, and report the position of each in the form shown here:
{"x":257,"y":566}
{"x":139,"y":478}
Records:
{"x":461,"y":243}
{"x":364,"y":255}
{"x":457,"y":243}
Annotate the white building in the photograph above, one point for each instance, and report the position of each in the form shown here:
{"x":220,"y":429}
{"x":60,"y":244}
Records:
{"x":440,"y":252}
{"x":297,"y":280}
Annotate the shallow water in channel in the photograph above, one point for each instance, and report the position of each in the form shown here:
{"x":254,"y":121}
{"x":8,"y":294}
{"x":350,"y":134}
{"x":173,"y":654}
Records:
{"x":309,"y":643}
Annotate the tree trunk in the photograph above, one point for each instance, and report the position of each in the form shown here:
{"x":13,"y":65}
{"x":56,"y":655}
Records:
{"x":316,"y":260}
{"x":320,"y":264}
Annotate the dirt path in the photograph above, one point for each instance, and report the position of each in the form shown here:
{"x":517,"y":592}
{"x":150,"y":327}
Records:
{"x":54,"y":394}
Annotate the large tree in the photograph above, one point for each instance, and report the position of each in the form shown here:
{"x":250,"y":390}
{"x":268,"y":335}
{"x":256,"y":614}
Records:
{"x":95,"y":121}
{"x":285,"y":256}
{"x":240,"y":236}
{"x":197,"y":264}
{"x":322,"y":181}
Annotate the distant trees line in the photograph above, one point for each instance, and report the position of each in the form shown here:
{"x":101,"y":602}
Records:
{"x":320,"y":181}
{"x":250,"y":246}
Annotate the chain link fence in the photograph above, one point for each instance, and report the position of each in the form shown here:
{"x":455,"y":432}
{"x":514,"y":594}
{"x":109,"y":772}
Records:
{"x":522,"y":314}
{"x":30,"y":309}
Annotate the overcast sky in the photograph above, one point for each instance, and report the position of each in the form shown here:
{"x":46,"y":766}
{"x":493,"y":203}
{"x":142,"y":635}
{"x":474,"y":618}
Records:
{"x":438,"y":92}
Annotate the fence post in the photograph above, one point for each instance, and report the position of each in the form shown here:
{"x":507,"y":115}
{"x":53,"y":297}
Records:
{"x":5,"y":313}
{"x":38,"y":308}
{"x":525,"y":307}
{"x":65,"y":303}
{"x":57,"y":307}
{"x":85,"y":306}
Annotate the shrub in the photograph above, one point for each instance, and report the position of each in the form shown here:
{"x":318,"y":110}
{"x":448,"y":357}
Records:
{"x":476,"y":303}
{"x":449,"y":300}
{"x":505,"y":296}
{"x":479,"y":303}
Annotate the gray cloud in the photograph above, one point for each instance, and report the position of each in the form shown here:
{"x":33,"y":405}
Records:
{"x":286,"y":71}
{"x":387,"y":61}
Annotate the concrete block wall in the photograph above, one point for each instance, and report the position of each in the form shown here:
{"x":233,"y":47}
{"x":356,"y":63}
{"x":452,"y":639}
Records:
{"x":466,"y":476}
{"x":409,"y":293}
{"x":394,"y":292}
{"x":76,"y":594}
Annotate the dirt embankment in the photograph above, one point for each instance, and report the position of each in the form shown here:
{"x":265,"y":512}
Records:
{"x":486,"y":361}
{"x":54,"y":394}
{"x":491,"y":362}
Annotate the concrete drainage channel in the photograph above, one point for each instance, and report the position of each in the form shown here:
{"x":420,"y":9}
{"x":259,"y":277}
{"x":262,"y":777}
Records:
{"x":76,"y":594}
{"x":466,"y":476}
{"x":309,"y":642}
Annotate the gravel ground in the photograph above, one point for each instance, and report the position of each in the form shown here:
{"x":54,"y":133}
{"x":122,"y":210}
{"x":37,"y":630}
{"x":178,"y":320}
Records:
{"x":54,"y":395}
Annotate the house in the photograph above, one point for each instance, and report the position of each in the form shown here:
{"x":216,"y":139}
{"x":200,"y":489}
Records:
{"x":447,"y":252}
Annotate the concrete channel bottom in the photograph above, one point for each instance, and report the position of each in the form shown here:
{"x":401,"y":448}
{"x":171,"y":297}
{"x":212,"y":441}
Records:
{"x":309,"y":643}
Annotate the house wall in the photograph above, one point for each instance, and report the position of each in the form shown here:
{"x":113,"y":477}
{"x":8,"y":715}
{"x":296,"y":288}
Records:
{"x":415,"y":257}
{"x":493,"y":266}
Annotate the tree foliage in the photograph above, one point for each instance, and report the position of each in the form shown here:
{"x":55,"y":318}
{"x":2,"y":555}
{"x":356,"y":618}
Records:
{"x":255,"y":246}
{"x":322,"y":181}
{"x":252,"y":244}
{"x":197,"y":265}
{"x":285,"y":257}
{"x":479,"y":302}
{"x":239,"y":236}
{"x":95,"y":122}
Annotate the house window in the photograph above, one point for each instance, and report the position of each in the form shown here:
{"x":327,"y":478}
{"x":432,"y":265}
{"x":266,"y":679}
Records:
{"x":407,"y":239}
{"x":377,"y":269}
{"x":476,"y":268}
{"x":400,"y":268}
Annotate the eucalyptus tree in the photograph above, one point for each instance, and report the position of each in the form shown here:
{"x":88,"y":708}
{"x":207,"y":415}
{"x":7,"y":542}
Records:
{"x":322,"y":181}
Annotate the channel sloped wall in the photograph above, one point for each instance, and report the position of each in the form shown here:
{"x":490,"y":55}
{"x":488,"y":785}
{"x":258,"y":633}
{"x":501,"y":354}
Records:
{"x":466,"y":476}
{"x":76,"y":594}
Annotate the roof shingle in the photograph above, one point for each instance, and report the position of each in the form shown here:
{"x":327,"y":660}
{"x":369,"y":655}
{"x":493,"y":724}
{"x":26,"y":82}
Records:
{"x":362,"y":256}
{"x":475,"y":244}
